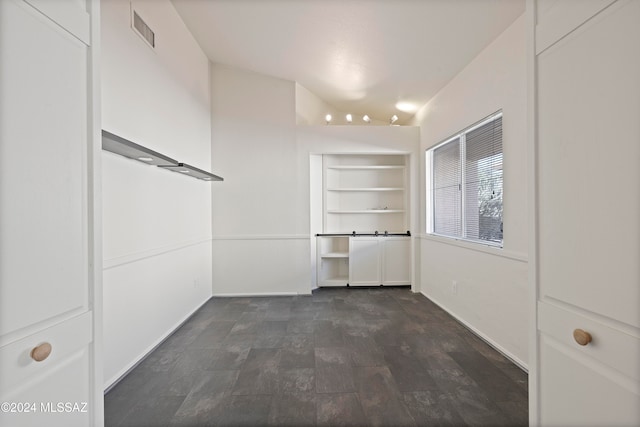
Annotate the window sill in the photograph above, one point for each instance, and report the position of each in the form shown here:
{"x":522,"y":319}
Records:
{"x":478,"y":247}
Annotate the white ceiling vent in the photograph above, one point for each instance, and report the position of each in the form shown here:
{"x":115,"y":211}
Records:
{"x":143,"y":30}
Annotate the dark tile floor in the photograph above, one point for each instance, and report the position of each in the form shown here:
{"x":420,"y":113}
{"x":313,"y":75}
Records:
{"x":341,"y":357}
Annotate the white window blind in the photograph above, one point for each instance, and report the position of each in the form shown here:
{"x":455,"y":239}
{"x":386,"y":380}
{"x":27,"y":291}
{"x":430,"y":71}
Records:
{"x":467,"y":184}
{"x":447,"y":199}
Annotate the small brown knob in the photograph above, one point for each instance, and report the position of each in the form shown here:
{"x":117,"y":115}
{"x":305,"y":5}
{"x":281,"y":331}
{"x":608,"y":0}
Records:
{"x":41,"y":352}
{"x":582,"y":337}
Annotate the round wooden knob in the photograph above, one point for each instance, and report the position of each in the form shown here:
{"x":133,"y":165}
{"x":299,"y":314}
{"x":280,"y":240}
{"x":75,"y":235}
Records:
{"x":582,"y":337}
{"x":41,"y":352}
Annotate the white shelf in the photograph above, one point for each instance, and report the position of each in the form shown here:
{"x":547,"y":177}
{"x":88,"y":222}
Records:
{"x":365,"y":167}
{"x":335,"y":255}
{"x":368,"y":189}
{"x":367,"y":211}
{"x":356,"y":189}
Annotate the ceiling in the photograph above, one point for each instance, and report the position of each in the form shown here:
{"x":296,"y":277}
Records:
{"x":360,"y":56}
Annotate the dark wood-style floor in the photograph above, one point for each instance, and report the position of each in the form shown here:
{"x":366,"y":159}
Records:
{"x":358,"y":357}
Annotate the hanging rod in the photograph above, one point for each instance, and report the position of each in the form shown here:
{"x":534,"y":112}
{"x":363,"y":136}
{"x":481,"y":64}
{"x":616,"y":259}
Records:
{"x":354,"y":234}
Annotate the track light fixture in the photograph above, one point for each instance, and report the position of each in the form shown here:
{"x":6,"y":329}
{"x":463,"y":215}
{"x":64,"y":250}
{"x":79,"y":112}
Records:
{"x":327,"y":118}
{"x":394,"y":119}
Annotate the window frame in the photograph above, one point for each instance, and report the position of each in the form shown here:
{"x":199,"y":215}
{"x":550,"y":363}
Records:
{"x":430,"y":179}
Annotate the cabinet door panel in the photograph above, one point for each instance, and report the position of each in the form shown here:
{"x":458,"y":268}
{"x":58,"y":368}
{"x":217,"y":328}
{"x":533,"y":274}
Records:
{"x":43,"y":134}
{"x":17,"y":368}
{"x":61,"y":378}
{"x":557,"y":18}
{"x":578,"y":391}
{"x":364,"y":261}
{"x":58,"y":398}
{"x":588,"y":206}
{"x":588,"y":171}
{"x":396,"y":261}
{"x":611,"y":346}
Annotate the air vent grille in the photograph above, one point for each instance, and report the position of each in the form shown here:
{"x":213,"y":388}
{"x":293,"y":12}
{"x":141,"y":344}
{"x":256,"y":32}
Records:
{"x":143,"y":29}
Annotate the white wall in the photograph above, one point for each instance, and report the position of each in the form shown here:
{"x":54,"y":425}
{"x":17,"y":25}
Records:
{"x":492,"y":283}
{"x":311,"y":110}
{"x":261,"y":240}
{"x":157,"y":224}
{"x":261,"y":222}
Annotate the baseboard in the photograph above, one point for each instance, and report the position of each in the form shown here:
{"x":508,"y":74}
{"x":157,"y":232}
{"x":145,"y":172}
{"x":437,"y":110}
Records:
{"x":120,"y":376}
{"x":516,"y":361}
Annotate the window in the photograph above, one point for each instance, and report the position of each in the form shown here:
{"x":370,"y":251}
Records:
{"x":465,"y":184}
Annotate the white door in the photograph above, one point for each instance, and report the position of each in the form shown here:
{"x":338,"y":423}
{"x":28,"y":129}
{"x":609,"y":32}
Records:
{"x":49,"y":277}
{"x":587,"y":174}
{"x":396,"y":260}
{"x":364,"y":261}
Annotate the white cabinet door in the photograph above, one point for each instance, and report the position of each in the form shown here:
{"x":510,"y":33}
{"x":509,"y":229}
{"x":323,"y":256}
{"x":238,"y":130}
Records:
{"x":48,"y":244}
{"x":364,"y":261}
{"x":587,"y":60}
{"x":396,"y":260}
{"x":379,"y":261}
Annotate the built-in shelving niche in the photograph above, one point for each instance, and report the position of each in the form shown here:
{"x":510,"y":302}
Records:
{"x":131,"y":150}
{"x":367,"y":193}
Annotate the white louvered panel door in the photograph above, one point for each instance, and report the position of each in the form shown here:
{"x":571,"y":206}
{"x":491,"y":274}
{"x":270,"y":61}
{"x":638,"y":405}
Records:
{"x":47,"y":245}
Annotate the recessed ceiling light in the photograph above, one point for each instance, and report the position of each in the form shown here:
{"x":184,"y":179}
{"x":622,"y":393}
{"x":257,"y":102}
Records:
{"x":394,"y":119}
{"x":366,"y":118}
{"x":145,"y":159}
{"x":349,"y":118}
{"x":328,"y":118}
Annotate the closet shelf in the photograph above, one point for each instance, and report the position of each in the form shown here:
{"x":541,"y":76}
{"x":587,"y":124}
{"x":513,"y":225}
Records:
{"x":336,"y":281}
{"x":131,"y":150}
{"x":336,"y":255}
